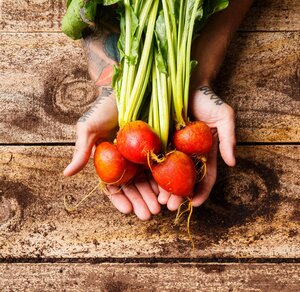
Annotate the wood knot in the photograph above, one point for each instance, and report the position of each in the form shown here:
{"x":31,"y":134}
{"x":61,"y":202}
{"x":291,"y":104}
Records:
{"x":244,"y":189}
{"x":10,"y":213}
{"x":68,"y":94}
{"x":73,"y":95}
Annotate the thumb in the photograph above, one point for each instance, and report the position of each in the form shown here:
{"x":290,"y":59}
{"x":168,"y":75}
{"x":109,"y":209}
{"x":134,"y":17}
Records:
{"x":227,"y":139}
{"x":83,"y":148}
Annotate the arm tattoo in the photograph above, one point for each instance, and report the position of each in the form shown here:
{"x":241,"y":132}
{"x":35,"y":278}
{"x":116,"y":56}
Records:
{"x":207,"y":91}
{"x":102,"y":53}
{"x":105,"y":93}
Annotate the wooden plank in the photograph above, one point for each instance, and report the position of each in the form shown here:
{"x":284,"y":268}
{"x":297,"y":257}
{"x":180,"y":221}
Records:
{"x":150,"y":277}
{"x":42,"y":101}
{"x":44,"y":88}
{"x":260,"y":78}
{"x":37,"y":15}
{"x":253,"y":211}
{"x":273,"y":15}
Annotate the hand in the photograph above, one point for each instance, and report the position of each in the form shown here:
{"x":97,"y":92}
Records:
{"x":100,"y":122}
{"x":219,"y":116}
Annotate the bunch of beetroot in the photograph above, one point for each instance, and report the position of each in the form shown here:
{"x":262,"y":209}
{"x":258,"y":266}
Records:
{"x":152,"y":91}
{"x":137,"y":145}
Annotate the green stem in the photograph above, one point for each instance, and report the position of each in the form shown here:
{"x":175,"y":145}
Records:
{"x":142,"y":69}
{"x":188,"y":57}
{"x":181,"y":23}
{"x":150,"y":117}
{"x":155,"y":98}
{"x":131,"y":74}
{"x":177,"y":100}
{"x":144,"y":87}
{"x":123,"y":99}
{"x":163,"y":104}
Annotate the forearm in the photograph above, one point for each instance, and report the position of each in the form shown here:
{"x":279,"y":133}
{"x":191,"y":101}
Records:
{"x":211,"y":45}
{"x":101,"y":50}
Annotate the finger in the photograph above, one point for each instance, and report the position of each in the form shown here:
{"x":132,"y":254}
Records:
{"x":204,"y":188}
{"x":227,"y":138}
{"x":174,"y":202}
{"x":119,"y":200}
{"x":139,"y":206}
{"x":147,"y":193}
{"x":153,"y":183}
{"x":163,"y":196}
{"x":82,"y":152}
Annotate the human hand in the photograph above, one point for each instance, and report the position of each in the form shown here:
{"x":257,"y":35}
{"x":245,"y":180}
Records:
{"x":100,"y":122}
{"x":206,"y":106}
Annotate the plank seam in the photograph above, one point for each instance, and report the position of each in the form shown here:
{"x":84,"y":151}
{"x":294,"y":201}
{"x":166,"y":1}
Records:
{"x":151,"y":260}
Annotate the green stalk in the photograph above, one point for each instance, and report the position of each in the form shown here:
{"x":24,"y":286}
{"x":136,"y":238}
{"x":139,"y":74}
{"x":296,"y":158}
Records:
{"x":142,"y":69}
{"x":155,"y":98}
{"x":150,"y":116}
{"x":123,"y":99}
{"x":163,"y":103}
{"x":181,"y":23}
{"x":173,"y":21}
{"x":144,"y":14}
{"x":144,"y":86}
{"x":188,"y":57}
{"x":177,"y":100}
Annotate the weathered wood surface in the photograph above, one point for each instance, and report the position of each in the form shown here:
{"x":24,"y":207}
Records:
{"x":150,"y":277}
{"x":41,"y":15}
{"x":44,"y":87}
{"x":260,"y":78}
{"x":273,"y":15}
{"x":253,"y":211}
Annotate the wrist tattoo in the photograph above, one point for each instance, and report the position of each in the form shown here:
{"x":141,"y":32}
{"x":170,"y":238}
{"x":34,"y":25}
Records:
{"x":105,"y":93}
{"x":206,"y":90}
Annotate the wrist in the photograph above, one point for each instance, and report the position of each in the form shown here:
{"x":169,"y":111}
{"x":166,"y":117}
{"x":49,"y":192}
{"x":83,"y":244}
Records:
{"x":197,"y":83}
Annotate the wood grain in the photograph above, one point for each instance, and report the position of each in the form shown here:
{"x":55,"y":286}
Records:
{"x":150,"y":277}
{"x":41,"y":15}
{"x":44,"y":87}
{"x":273,"y":15}
{"x":253,"y":211}
{"x":260,"y":79}
{"x":35,"y":15}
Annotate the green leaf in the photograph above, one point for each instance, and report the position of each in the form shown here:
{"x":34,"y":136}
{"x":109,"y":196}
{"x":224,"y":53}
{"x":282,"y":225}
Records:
{"x":193,"y":64}
{"x":209,"y":8}
{"x":80,"y":14}
{"x":68,"y":3}
{"x":122,"y":39}
{"x":161,"y":42}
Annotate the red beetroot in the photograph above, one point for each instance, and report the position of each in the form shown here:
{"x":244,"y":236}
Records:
{"x":111,"y":166}
{"x":194,"y":139}
{"x":135,"y":140}
{"x":176,"y":174}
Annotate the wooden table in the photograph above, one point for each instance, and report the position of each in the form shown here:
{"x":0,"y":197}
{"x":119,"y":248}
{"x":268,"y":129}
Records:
{"x":246,"y":235}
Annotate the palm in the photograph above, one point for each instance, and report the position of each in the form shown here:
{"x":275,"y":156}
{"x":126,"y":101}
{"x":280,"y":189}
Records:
{"x":209,"y":108}
{"x":101,"y":120}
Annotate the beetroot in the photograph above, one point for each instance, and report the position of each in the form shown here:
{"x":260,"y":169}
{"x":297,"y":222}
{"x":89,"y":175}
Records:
{"x":176,"y":173}
{"x":136,"y":140}
{"x":111,"y":166}
{"x":194,"y":139}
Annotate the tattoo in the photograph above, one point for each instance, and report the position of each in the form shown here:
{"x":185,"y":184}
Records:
{"x":105,"y":92}
{"x":110,"y":45}
{"x":207,"y":91}
{"x":102,"y":52}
